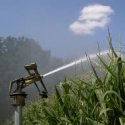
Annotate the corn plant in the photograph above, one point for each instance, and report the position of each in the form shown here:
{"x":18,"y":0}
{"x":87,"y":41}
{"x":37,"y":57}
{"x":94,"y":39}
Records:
{"x":97,"y":101}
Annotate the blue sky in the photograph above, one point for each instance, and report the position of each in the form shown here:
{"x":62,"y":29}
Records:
{"x":49,"y":21}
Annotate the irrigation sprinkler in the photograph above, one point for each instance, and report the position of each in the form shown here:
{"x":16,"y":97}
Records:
{"x":16,"y":87}
{"x":18,"y":95}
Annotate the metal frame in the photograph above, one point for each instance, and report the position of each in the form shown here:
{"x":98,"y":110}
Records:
{"x":18,"y":95}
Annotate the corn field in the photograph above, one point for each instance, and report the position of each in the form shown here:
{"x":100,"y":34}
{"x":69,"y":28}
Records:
{"x":99,"y":100}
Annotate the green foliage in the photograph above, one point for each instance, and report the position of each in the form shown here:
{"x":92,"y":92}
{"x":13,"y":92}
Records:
{"x":99,"y":101}
{"x":8,"y":122}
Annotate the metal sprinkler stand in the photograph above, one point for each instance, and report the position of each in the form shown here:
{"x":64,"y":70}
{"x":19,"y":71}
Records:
{"x":18,"y":103}
{"x":18,"y":95}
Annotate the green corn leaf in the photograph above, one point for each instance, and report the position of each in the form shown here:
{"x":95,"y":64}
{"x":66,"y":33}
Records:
{"x":110,"y":44}
{"x":114,"y":93}
{"x":94,"y":71}
{"x":104,"y":111}
{"x":107,"y":67}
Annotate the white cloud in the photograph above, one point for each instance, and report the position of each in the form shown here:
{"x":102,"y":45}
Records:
{"x":92,"y":17}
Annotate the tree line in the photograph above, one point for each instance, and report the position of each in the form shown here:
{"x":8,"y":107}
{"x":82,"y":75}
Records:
{"x":14,"y":54}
